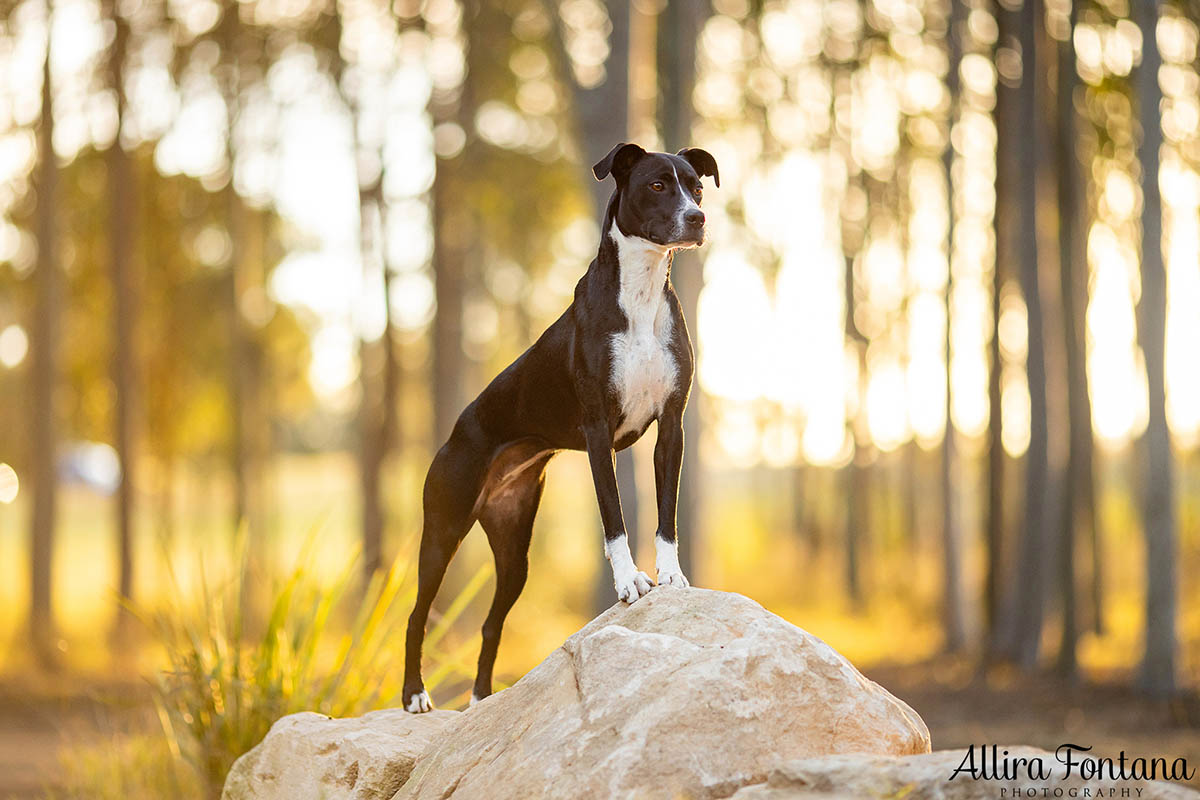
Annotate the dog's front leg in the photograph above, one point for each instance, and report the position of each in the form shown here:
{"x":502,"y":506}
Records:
{"x":668,"y":461}
{"x":629,"y":582}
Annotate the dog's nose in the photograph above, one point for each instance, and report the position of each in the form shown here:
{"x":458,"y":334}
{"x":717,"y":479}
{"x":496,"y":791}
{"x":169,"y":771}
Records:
{"x":694,"y":217}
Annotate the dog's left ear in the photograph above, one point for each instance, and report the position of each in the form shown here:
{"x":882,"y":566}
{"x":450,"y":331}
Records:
{"x":618,"y":162}
{"x":701,"y":161}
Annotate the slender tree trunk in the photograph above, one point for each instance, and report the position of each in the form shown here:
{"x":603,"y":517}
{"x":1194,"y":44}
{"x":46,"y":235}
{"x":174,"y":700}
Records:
{"x":910,"y":486}
{"x":238,"y":358}
{"x":954,"y":627}
{"x":452,"y":235}
{"x":449,"y":259}
{"x":857,"y":471}
{"x":389,"y":422}
{"x":853,"y":238}
{"x":678,"y":32}
{"x":121,"y":189}
{"x":857,"y":516}
{"x":380,"y":380}
{"x":1091,"y":523}
{"x":44,"y":369}
{"x":369,"y":413}
{"x":1053,"y":304}
{"x":1007,"y":168}
{"x":994,"y":523}
{"x":1158,"y":501}
{"x":602,"y":112}
{"x":1076,"y":511}
{"x":239,"y":346}
{"x":1028,"y":587}
{"x":857,"y":475}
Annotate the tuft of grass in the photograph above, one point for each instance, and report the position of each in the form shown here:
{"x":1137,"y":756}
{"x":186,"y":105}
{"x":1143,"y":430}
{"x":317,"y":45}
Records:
{"x":230,"y":673}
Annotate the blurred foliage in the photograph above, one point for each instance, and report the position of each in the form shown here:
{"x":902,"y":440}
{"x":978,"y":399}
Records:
{"x":328,"y":648}
{"x":182,"y":349}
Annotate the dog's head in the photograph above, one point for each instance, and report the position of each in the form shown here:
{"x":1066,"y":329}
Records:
{"x":659,"y":194}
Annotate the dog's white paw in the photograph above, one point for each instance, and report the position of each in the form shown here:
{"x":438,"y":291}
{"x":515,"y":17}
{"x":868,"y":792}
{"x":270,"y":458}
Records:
{"x":420,"y":703}
{"x":632,"y":587}
{"x":630,"y":582}
{"x":668,"y":577}
{"x":666,"y":562}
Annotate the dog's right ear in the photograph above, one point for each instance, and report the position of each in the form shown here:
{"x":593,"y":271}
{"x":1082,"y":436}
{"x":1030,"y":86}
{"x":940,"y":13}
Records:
{"x":618,"y":162}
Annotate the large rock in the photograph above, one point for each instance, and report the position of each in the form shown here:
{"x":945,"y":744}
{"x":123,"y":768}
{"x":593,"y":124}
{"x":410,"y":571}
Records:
{"x":687,"y":692}
{"x":314,"y":757}
{"x":928,"y":777}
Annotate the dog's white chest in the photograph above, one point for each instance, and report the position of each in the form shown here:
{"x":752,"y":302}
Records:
{"x":643,"y":367}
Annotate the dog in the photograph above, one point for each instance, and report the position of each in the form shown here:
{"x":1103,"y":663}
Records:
{"x":616,"y":360}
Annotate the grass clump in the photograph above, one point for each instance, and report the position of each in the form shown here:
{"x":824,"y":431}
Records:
{"x":230,"y":673}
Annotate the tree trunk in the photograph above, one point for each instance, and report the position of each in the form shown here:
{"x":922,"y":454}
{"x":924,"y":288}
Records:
{"x":954,"y":628}
{"x":1077,"y":512}
{"x":678,"y":33}
{"x":857,"y":496}
{"x":1007,"y":168}
{"x":449,"y":257}
{"x":452,"y":235}
{"x":910,"y":486}
{"x":857,"y":475}
{"x":853,"y":238}
{"x":1028,"y":587}
{"x":237,"y":388}
{"x":44,"y":369}
{"x":389,"y":422}
{"x":1158,"y":500}
{"x":379,"y":374}
{"x":238,"y":363}
{"x":121,"y":189}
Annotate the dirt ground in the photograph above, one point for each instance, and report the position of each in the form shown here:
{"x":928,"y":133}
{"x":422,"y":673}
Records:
{"x":1006,"y":707}
{"x":39,"y":717}
{"x":959,"y":705}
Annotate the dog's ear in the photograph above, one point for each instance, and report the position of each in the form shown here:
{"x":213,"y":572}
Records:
{"x":701,"y":161}
{"x":618,"y":162}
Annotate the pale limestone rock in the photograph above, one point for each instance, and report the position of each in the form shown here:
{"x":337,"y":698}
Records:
{"x":314,"y":757}
{"x":927,"y":777}
{"x":687,"y":692}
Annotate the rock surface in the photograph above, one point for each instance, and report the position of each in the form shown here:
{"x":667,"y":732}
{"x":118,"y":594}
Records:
{"x":687,"y":692}
{"x":313,"y":756}
{"x":927,"y":777}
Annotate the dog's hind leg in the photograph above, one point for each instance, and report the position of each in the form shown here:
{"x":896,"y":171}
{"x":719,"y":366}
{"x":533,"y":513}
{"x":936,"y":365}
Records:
{"x":451,"y":489}
{"x":507,"y":518}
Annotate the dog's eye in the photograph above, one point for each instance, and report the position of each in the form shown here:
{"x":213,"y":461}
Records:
{"x":698,"y":192}
{"x":658,"y":186}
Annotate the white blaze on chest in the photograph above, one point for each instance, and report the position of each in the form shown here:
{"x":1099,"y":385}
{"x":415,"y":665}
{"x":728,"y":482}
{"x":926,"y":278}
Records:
{"x":643,"y":368}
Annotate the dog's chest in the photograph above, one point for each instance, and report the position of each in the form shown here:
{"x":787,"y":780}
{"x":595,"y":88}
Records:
{"x":643,"y":366}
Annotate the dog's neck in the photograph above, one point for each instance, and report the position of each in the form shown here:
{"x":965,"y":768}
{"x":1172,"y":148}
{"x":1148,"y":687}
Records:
{"x":644,"y":267}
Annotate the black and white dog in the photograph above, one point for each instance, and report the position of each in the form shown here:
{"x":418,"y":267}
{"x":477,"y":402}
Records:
{"x":617,"y":359}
